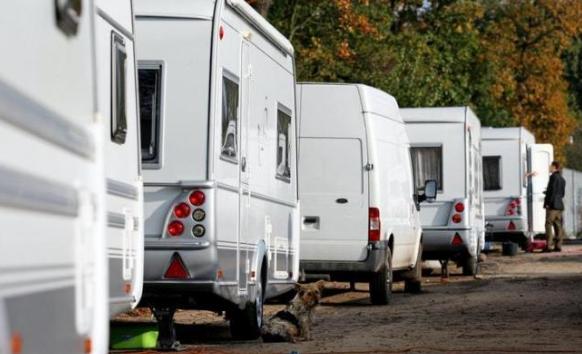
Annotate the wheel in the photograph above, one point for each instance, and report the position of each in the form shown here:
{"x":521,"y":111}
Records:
{"x":381,"y":283}
{"x":413,"y":279}
{"x":246,"y":323}
{"x":510,"y":249}
{"x":471,"y":265}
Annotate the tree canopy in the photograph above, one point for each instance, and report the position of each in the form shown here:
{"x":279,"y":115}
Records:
{"x":516,"y":62}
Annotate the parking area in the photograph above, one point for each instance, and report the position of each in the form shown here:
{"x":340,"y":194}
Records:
{"x":529,"y":303}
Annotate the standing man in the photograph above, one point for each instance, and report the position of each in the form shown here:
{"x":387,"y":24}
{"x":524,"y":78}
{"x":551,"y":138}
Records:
{"x":554,"y":206}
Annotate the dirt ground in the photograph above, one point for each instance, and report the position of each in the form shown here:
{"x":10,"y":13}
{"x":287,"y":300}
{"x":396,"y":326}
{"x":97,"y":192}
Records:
{"x":531,"y":303}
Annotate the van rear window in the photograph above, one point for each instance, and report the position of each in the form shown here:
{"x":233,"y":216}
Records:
{"x":283,"y":145}
{"x":492,"y":173}
{"x":427,"y":164}
{"x":229,"y":149}
{"x":150,"y":101}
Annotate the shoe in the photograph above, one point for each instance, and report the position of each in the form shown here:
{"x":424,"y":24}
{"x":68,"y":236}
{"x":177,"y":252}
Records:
{"x":546,"y":250}
{"x":557,"y":249}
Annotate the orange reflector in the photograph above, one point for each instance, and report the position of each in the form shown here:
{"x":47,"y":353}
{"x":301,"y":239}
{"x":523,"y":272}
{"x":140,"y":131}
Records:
{"x":127,"y":288}
{"x":177,"y":269}
{"x":253,"y":273}
{"x":457,"y":240}
{"x":511,"y":226}
{"x":88,"y":345}
{"x":16,"y":343}
{"x":220,"y":274}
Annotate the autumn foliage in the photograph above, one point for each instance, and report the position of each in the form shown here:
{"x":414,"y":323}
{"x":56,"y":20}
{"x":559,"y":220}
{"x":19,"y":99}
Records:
{"x":503,"y":57}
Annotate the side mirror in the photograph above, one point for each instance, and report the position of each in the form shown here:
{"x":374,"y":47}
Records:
{"x":430,"y":190}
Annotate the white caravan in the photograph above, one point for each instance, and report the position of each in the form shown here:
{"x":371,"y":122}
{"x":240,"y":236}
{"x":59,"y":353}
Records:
{"x":515,"y":176}
{"x":217,"y":96}
{"x":53,"y":288}
{"x":446,"y":146}
{"x":573,"y":203}
{"x":117,"y":105}
{"x":359,"y":213}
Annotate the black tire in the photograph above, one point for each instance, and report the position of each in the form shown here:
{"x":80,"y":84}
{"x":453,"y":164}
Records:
{"x":413,"y":279}
{"x":471,"y":266}
{"x":381,"y":283}
{"x":246,"y":324}
{"x":510,"y":249}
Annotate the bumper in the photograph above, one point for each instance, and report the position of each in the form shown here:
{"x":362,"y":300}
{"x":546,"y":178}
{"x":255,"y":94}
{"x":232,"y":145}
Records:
{"x":500,"y":224}
{"x":436,"y":243}
{"x":349,"y":270}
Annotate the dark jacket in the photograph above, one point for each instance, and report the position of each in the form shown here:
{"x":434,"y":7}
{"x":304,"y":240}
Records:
{"x":555,"y":192}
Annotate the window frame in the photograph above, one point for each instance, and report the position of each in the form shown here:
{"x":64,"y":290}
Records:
{"x":287,"y":111}
{"x":118,"y":114}
{"x":236,"y":80}
{"x":499,"y":186}
{"x":440,"y":186}
{"x":160,"y":65}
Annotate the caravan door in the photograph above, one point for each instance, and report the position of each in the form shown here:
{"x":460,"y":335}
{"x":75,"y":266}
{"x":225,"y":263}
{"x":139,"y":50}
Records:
{"x":540,"y":157}
{"x":245,"y":192}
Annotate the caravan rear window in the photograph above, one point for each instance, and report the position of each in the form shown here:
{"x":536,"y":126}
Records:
{"x":427,"y":164}
{"x":229,"y":147}
{"x":492,"y":173}
{"x":150,"y":101}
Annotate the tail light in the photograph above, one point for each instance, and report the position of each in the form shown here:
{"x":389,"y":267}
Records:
{"x":374,"y":224}
{"x":459,"y":207}
{"x":175,"y":228}
{"x":457,"y":240}
{"x":457,"y":218}
{"x":197,"y":198}
{"x":511,"y":226}
{"x":182,"y":210}
{"x":513,"y":207}
{"x":177,"y":269}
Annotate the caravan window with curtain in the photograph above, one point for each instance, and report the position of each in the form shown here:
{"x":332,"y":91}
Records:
{"x":427,"y":164}
{"x":492,"y":173}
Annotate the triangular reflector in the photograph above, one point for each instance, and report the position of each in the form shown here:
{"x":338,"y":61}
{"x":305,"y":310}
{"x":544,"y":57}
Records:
{"x":177,"y":269}
{"x":511,"y":226}
{"x":457,"y":240}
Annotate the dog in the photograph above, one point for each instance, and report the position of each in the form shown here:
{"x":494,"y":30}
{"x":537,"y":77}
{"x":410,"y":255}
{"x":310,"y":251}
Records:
{"x":294,"y":322}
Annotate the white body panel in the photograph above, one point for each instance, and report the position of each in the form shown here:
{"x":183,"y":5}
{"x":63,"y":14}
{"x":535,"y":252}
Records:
{"x":251,"y":193}
{"x":344,"y":129}
{"x":540,"y":158}
{"x":573,"y":203}
{"x":114,"y":34}
{"x":456,"y":132}
{"x":53,"y":289}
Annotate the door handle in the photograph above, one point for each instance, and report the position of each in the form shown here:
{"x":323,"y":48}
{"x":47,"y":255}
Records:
{"x":243,"y":164}
{"x":341,"y":200}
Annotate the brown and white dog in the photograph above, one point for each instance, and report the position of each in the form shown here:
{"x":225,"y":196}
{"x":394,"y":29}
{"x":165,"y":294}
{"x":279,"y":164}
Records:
{"x":294,"y":322}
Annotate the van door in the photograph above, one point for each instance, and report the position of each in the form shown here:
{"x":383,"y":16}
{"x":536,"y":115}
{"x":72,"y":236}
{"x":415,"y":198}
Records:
{"x":334,"y":193}
{"x":540,"y":157}
{"x":244,"y":186}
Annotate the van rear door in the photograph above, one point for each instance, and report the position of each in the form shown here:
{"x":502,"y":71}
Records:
{"x":334,"y":199}
{"x":540,"y":157}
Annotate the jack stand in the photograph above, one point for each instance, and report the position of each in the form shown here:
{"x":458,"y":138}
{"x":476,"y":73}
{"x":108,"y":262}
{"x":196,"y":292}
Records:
{"x":167,"y":340}
{"x":444,"y":268}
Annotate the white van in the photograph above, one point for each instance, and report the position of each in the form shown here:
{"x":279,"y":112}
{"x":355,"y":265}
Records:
{"x":217,"y":95}
{"x":515,"y":176}
{"x":573,"y":203}
{"x":53,"y":288}
{"x":117,"y":104}
{"x":359,"y":215}
{"x":446,"y":146}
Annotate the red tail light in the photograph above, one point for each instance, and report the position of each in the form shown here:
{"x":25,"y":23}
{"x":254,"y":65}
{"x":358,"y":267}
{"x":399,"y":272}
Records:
{"x":457,"y":218}
{"x":459,"y":207}
{"x":513,"y":208}
{"x":177,"y":269}
{"x":457,"y":240}
{"x":175,"y":228}
{"x":182,"y":210}
{"x":197,"y":198}
{"x":374,"y":224}
{"x":511,"y":226}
